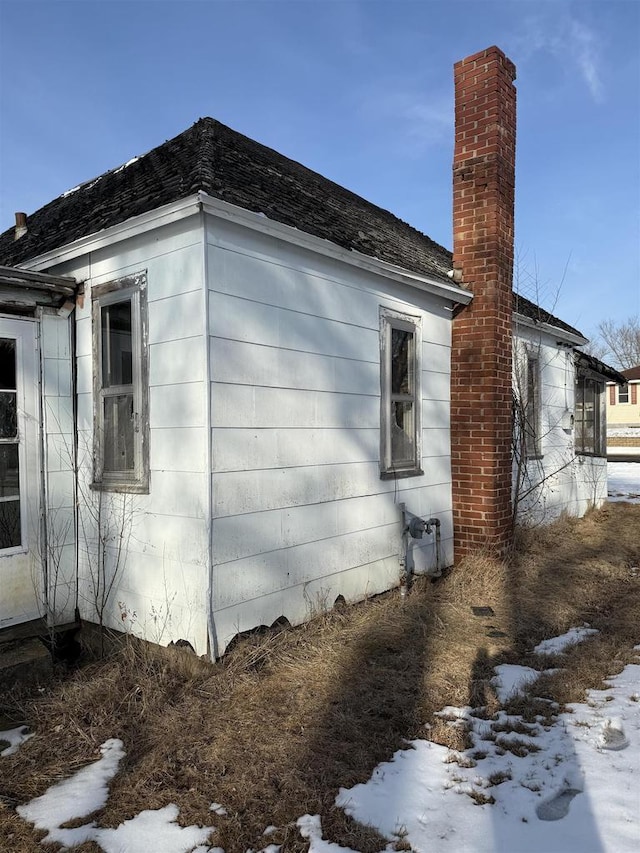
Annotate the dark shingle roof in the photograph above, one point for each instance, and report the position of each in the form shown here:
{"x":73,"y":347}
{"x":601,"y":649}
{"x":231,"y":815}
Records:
{"x":583,"y":359}
{"x":227,"y":165}
{"x":529,"y":309}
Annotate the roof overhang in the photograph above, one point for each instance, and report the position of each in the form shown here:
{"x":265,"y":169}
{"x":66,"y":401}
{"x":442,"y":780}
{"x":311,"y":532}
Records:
{"x":562,"y":335}
{"x":590,"y":362}
{"x":260,"y":222}
{"x":25,"y":289}
{"x":202,"y":202}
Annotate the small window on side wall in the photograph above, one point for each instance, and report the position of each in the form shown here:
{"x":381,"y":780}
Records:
{"x":623,"y":393}
{"x":532,"y":410}
{"x":400,"y":416}
{"x":590,"y":416}
{"x":121,"y":447}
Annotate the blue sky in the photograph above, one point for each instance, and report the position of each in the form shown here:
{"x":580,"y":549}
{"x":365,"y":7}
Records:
{"x":359,"y":91}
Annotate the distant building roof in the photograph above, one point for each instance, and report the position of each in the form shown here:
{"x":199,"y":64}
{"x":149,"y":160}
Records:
{"x":212,"y":158}
{"x":632,"y":374}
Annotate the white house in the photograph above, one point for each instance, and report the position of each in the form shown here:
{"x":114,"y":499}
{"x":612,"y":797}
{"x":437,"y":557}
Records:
{"x":234,"y":395}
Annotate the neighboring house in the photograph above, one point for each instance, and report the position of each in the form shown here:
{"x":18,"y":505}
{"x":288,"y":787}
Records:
{"x":230,"y":385}
{"x":623,"y":415}
{"x":623,"y":401}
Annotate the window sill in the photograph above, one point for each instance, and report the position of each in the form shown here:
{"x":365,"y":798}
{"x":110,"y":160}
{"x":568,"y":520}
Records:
{"x":121,"y":488}
{"x":401,"y":474}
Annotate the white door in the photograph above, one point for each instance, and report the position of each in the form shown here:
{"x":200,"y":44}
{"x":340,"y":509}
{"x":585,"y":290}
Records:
{"x":21,"y":582}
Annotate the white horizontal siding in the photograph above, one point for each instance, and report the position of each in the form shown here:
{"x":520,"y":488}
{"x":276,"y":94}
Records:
{"x":179,"y":449}
{"x":302,"y":602}
{"x":299,"y":507}
{"x":244,"y":363}
{"x":268,"y":572}
{"x":247,"y":448}
{"x":238,"y":492}
{"x":176,"y":361}
{"x":179,"y":405}
{"x":163,"y":575}
{"x":251,"y":406}
{"x":560,"y":481}
{"x":238,"y":319}
{"x":239,"y":536}
{"x":251,"y":267}
{"x":59,"y":465}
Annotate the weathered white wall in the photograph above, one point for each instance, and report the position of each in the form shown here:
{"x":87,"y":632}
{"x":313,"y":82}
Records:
{"x":300,"y":514}
{"x":160,"y":592}
{"x":560,"y":481}
{"x":59,"y":545}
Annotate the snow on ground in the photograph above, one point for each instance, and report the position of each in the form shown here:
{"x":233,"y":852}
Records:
{"x":87,"y":791}
{"x":511,"y":680}
{"x":525,"y":787}
{"x":14,"y":737}
{"x":557,"y":645}
{"x":623,"y":481}
{"x":572,"y":784}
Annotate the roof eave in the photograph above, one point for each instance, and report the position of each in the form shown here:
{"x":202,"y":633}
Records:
{"x":562,"y":334}
{"x":260,"y":222}
{"x":256,"y":221}
{"x":164,"y":215}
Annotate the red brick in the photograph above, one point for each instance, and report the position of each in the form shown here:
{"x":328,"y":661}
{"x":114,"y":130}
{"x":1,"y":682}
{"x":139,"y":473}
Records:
{"x":483,"y":172}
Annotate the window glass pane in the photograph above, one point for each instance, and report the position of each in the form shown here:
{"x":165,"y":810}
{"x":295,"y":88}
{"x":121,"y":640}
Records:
{"x":8,"y":414}
{"x":532,"y":408}
{"x":7,"y":364}
{"x":589,"y":416}
{"x":401,"y":361}
{"x":623,"y":394}
{"x":402,"y":433}
{"x":10,"y":524}
{"x":9,"y":474}
{"x":118,"y":433}
{"x":116,"y":344}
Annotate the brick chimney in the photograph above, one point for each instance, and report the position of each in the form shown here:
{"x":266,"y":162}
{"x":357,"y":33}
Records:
{"x":481,"y":383}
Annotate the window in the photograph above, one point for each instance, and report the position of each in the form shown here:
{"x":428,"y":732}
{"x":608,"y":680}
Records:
{"x":400,"y":343}
{"x":120,"y":385}
{"x":589,"y":415}
{"x":10,"y":533}
{"x":532,"y":409}
{"x":623,"y":393}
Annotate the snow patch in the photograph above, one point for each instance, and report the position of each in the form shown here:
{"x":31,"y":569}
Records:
{"x":556,"y":645}
{"x":86,"y":792}
{"x":14,"y":737}
{"x":521,"y":786}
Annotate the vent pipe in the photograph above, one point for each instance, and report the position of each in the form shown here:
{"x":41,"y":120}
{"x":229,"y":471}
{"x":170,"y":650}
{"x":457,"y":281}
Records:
{"x":21,"y":226}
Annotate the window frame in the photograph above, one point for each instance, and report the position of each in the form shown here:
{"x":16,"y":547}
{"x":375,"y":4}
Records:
{"x":390,"y":320}
{"x":133,"y":289}
{"x":532,"y":409}
{"x":599,"y":414}
{"x":623,"y":389}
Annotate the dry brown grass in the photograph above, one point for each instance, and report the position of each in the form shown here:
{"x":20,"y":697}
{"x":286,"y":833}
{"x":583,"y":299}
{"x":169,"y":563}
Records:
{"x":286,"y":719}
